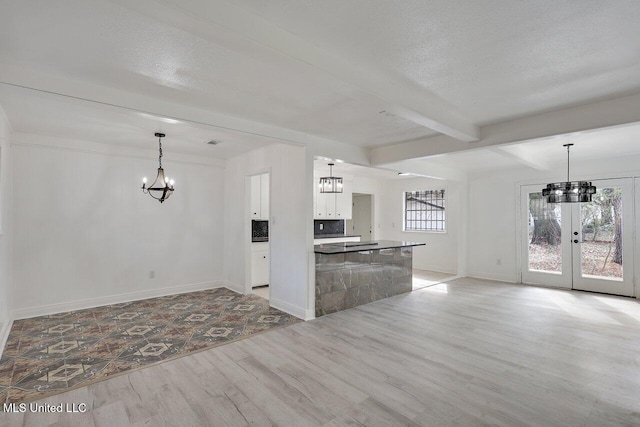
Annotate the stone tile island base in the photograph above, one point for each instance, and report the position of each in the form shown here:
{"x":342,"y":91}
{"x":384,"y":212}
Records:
{"x":346,"y":280}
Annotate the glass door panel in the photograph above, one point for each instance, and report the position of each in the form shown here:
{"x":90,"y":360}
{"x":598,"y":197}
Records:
{"x":602,"y":245}
{"x":544,"y":235}
{"x":546,"y":256}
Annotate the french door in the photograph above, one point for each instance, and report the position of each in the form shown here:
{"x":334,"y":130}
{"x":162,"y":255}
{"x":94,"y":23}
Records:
{"x":585,"y":246}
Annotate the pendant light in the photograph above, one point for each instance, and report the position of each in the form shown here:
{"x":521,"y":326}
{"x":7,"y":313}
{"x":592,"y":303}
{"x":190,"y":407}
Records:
{"x":162,"y":187}
{"x":331,"y":184}
{"x":569,"y":191}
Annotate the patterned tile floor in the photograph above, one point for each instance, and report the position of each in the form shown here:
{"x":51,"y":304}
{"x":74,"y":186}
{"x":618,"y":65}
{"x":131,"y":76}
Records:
{"x":51,"y":354}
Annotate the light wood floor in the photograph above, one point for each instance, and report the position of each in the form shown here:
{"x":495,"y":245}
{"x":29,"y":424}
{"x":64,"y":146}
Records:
{"x":424,"y":278}
{"x":467,"y":352}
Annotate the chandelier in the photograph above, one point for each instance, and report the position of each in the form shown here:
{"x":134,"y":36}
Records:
{"x":331,"y":184}
{"x":569,"y":191}
{"x":162,"y":187}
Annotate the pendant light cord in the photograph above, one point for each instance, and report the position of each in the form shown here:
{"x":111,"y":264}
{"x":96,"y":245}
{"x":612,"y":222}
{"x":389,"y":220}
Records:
{"x":160,"y":150}
{"x":568,"y":147}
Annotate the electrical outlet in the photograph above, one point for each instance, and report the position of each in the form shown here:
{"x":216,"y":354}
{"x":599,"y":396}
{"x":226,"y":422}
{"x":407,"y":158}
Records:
{"x":152,"y":274}
{"x":321,"y":226}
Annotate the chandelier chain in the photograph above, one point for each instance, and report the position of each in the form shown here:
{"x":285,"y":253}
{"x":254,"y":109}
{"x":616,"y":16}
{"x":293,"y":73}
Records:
{"x":568,"y":147}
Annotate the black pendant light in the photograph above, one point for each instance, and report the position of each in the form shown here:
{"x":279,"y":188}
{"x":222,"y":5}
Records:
{"x":331,"y":184}
{"x":569,"y":191}
{"x":162,"y":187}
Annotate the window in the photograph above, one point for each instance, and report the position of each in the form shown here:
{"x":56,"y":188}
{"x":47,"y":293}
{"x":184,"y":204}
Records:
{"x":424,"y":211}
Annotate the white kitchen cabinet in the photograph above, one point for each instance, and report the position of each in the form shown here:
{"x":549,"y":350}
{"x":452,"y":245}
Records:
{"x":260,"y":196}
{"x":344,"y":202}
{"x":255,"y":197}
{"x":259,"y":268}
{"x":333,"y":205}
{"x":264,"y":196}
{"x":320,"y":204}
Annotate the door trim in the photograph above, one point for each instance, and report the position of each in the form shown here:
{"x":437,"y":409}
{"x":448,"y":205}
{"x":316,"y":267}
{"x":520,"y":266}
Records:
{"x":566,"y":279}
{"x":624,"y":287}
{"x":543,"y":278}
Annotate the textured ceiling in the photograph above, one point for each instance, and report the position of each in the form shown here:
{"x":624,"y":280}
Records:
{"x":494,"y":59}
{"x":483,"y":62}
{"x":45,"y":114}
{"x":105,"y":44}
{"x":546,"y":154}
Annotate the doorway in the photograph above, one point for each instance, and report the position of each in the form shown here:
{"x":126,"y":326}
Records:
{"x":362,"y":222}
{"x":582,"y":246}
{"x":258,"y":265}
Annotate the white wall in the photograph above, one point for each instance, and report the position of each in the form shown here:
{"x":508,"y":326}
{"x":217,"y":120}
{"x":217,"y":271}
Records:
{"x":5,"y":229}
{"x":85,"y":235}
{"x":290,"y":227}
{"x":494,"y":207}
{"x":441,"y":250}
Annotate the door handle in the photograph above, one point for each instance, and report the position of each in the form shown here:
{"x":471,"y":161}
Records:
{"x":578,"y":241}
{"x":575,"y":233}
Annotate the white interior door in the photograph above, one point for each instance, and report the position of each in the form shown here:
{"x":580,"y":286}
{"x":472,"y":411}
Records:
{"x":362,"y":216}
{"x":585,"y":246}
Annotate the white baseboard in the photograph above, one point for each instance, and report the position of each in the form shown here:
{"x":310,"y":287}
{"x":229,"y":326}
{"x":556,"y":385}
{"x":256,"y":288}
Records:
{"x":451,"y":279}
{"x":311,"y":314}
{"x":43,"y":310}
{"x":293,"y":310}
{"x":492,"y":276}
{"x":436,"y":268}
{"x":4,"y":334}
{"x":233,"y":286}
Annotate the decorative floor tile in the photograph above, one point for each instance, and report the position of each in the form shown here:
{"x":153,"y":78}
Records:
{"x":137,"y":330}
{"x":154,"y":350}
{"x":99,"y":330}
{"x":24,"y":367}
{"x":58,"y":348}
{"x":6,"y":371}
{"x":54,"y":330}
{"x":52,"y":354}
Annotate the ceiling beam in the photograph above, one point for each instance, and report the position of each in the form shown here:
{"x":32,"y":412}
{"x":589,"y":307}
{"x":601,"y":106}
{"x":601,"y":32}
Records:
{"x":596,"y":115}
{"x":78,"y":91}
{"x":528,"y":160}
{"x":419,"y":148}
{"x":231,"y":26}
{"x":430,"y":170}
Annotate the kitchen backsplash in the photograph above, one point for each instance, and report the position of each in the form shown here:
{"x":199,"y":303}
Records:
{"x":259,"y":231}
{"x":329,"y":226}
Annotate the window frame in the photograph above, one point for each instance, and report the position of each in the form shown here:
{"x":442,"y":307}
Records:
{"x":445,"y":198}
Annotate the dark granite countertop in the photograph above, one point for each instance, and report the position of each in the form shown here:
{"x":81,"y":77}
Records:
{"x":340,"y":248}
{"x":334,"y":236}
{"x":259,"y":239}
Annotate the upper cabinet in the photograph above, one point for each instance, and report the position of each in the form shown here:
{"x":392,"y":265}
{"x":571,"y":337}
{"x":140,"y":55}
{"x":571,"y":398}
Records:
{"x":260,"y":196}
{"x":264,"y":196}
{"x":332,"y":205}
{"x":344,"y":201}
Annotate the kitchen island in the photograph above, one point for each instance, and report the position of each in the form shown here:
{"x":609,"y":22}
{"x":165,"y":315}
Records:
{"x":355,"y":273}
